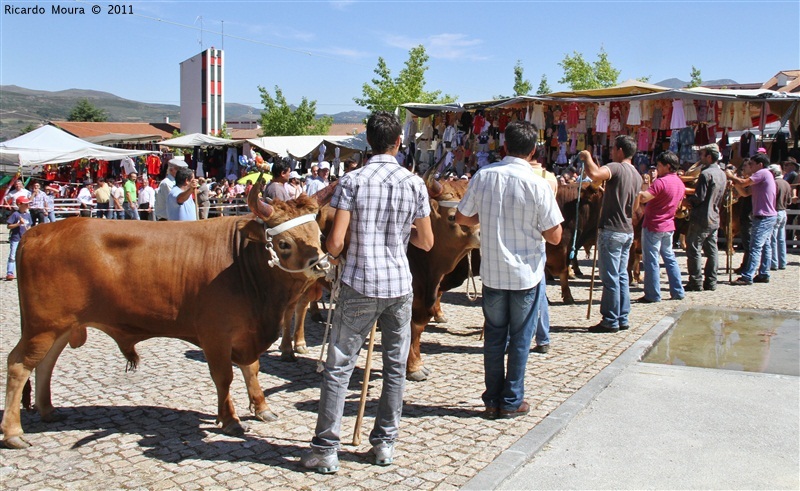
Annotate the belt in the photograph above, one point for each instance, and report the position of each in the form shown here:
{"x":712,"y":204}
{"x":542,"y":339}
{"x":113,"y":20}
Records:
{"x":761,"y":217}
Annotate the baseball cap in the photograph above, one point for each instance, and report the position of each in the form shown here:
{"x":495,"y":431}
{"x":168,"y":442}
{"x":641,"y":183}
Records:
{"x":324,"y":165}
{"x":177,"y":162}
{"x":22,"y":200}
{"x":294,"y":175}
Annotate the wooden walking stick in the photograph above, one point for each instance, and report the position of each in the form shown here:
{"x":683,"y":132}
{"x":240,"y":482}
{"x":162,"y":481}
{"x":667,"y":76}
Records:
{"x":364,"y":387}
{"x":729,"y":234}
{"x":591,"y":282}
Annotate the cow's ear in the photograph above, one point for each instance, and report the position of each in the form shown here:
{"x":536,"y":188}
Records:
{"x":254,"y":231}
{"x":434,"y":206}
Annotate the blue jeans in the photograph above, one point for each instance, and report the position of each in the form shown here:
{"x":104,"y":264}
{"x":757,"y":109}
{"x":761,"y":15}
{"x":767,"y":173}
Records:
{"x":543,"y":324}
{"x":510,"y":318}
{"x":654,"y":243}
{"x":760,"y":247}
{"x":131,"y":212}
{"x":11,"y":268}
{"x":779,"y":242}
{"x":352,"y":322}
{"x":613,"y":250}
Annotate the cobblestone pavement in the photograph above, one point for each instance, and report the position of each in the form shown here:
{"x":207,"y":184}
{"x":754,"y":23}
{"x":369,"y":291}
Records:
{"x":154,"y":428}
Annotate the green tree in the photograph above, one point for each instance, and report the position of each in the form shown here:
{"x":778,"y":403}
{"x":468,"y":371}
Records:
{"x":85,"y":111}
{"x":224,"y":132}
{"x":645,"y":79}
{"x":579,"y":74}
{"x":278,"y":118}
{"x":544,"y":88}
{"x":385,"y":93}
{"x":696,"y":80}
{"x":522,"y":86}
{"x":27,"y":129}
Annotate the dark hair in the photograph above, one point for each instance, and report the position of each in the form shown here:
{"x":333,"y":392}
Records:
{"x":761,"y":159}
{"x":281,"y":166}
{"x":184,"y":174}
{"x":670,"y":160}
{"x":383,"y":129}
{"x":521,"y":138}
{"x":626,"y":144}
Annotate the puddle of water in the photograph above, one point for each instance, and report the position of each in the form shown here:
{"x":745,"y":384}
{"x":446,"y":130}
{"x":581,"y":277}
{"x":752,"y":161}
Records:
{"x":750,"y":341}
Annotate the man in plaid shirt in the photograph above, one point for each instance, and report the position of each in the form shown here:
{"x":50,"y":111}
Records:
{"x":517,"y":212}
{"x":384,"y":206}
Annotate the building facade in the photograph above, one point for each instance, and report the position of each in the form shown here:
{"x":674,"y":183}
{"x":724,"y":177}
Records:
{"x":202,"y":93}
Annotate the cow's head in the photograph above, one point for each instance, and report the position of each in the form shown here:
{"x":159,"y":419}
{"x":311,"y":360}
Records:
{"x":292,"y":234}
{"x":444,"y":197}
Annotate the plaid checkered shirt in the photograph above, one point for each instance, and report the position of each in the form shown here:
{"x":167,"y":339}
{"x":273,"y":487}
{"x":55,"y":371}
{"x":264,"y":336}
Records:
{"x":384,"y":199}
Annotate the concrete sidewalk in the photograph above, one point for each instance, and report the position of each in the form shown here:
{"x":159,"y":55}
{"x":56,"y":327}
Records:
{"x":647,"y":426}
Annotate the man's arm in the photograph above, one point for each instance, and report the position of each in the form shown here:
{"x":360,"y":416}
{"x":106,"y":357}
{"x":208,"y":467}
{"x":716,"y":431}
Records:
{"x":335,"y":240}
{"x":462,"y":219}
{"x":553,"y":235}
{"x":188,"y":193}
{"x":422,"y":233}
{"x":593,"y":171}
{"x":644,"y":197}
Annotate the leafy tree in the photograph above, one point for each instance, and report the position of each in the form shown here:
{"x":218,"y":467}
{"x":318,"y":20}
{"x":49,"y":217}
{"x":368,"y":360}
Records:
{"x":522,"y":86}
{"x":27,"y":129}
{"x":696,"y":80}
{"x":85,"y":111}
{"x":385,"y":93}
{"x":579,"y":74}
{"x":544,"y":88}
{"x":278,"y":118}
{"x":644,"y":79}
{"x":224,"y":132}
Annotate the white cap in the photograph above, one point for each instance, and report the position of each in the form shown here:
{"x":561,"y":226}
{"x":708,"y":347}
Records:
{"x":178,"y":162}
{"x":294,"y":175}
{"x":324,"y":165}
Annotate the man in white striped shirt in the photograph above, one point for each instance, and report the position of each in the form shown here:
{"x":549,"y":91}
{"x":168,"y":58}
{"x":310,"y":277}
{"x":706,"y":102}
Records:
{"x":517,"y":212}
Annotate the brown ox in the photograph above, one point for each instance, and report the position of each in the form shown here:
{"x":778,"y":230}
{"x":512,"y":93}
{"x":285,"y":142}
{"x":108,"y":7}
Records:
{"x":451,"y":244}
{"x":214,"y":287}
{"x":588,"y":211}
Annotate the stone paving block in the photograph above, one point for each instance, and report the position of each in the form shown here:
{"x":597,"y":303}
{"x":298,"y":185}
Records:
{"x":145,"y":430}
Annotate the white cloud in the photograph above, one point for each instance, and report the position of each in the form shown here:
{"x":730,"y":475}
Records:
{"x":343,"y":52}
{"x":444,"y":46}
{"x":341,"y":4}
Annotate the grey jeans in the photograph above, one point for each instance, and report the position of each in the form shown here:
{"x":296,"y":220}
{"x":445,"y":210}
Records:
{"x":352,"y":321}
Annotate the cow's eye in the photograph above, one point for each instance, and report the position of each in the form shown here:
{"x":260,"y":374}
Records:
{"x":284,"y":245}
{"x":452,"y":218}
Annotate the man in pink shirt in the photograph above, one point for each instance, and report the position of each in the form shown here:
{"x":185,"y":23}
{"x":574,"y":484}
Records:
{"x":662,"y":198}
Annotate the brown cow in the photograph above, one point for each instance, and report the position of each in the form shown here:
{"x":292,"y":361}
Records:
{"x":451,"y":244}
{"x":588,"y":211}
{"x":214,"y":285}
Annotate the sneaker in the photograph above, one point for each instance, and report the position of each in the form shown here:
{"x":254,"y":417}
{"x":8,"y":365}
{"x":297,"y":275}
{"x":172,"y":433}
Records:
{"x":709,"y":288}
{"x":541,"y":348}
{"x":624,"y":327}
{"x":741,"y":281}
{"x":382,"y":453}
{"x":762,"y":278}
{"x":691,"y":287}
{"x":600,"y":328}
{"x":322,"y":462}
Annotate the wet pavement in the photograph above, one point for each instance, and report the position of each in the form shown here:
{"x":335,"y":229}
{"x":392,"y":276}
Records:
{"x":154,"y":428}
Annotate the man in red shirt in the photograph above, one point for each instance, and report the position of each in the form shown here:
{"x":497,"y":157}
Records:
{"x":662,"y":198}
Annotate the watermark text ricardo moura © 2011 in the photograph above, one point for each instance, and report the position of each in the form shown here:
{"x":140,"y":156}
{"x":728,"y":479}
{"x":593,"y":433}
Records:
{"x":56,"y":9}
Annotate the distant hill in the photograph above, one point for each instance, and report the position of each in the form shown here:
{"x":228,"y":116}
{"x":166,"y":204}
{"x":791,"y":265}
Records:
{"x":20,"y":107}
{"x":676,"y":83}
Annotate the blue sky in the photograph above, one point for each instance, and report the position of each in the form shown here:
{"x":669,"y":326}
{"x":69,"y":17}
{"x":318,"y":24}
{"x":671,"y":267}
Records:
{"x":326,"y":50}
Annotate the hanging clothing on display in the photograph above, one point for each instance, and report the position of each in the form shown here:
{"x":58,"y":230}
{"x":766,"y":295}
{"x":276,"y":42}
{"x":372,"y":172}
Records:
{"x":477,"y":124}
{"x":602,"y":118}
{"x":538,"y":116}
{"x":572,"y":115}
{"x":673,"y":142}
{"x":741,"y":116}
{"x":409,"y":129}
{"x":686,"y":141}
{"x":616,"y":118}
{"x":590,"y":112}
{"x":231,"y":161}
{"x":689,"y":111}
{"x":528,"y":114}
{"x":643,"y":138}
{"x":678,"y":120}
{"x":725,"y":118}
{"x":573,"y":142}
{"x":562,"y":132}
{"x":701,"y":136}
{"x":635,"y":114}
{"x":647,"y":110}
{"x":656,"y":121}
{"x":744,"y":144}
{"x":449,"y":137}
{"x":562,"y":154}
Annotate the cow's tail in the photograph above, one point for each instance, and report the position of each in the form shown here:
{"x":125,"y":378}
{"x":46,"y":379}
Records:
{"x":26,"y":395}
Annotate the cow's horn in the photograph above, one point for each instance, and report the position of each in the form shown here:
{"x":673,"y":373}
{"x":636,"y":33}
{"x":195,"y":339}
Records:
{"x":434,"y":186}
{"x":259,"y":208}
